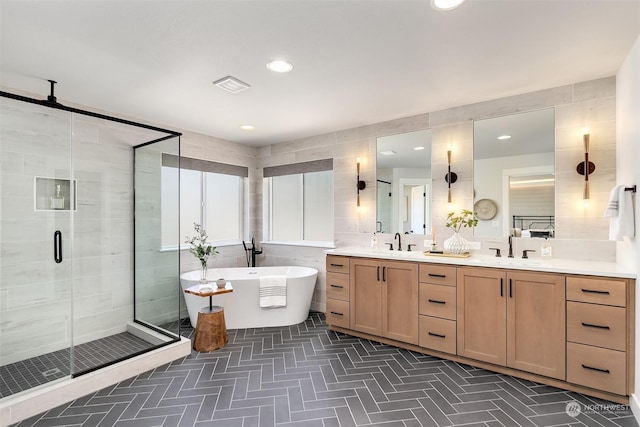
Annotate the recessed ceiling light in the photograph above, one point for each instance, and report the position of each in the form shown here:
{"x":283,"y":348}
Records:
{"x":418,"y":148}
{"x":279,"y":66}
{"x":502,"y":137}
{"x":247,"y":127}
{"x":388,"y":153}
{"x":445,"y":4}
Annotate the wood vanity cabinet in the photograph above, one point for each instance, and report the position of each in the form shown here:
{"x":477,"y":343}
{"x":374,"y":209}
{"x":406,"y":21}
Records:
{"x":512,"y":318}
{"x":438,"y":307}
{"x":384,"y":298}
{"x":565,"y":330}
{"x":597,"y":318}
{"x":337,"y":291}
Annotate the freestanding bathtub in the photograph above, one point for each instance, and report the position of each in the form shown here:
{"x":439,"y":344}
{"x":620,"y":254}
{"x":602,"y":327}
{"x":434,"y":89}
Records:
{"x":242,"y":306}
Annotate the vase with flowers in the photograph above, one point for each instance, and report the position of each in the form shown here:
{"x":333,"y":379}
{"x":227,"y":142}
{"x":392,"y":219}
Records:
{"x":202,"y":250}
{"x":457,"y":244}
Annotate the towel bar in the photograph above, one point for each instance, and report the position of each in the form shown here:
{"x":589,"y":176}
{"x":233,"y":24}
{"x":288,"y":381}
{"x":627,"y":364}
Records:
{"x":633,"y":189}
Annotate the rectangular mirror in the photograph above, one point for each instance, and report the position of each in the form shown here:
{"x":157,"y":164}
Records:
{"x":514,"y":175}
{"x":403,"y":172}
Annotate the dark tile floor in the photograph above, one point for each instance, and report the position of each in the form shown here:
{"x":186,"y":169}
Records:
{"x":306,"y":375}
{"x":28,"y":373}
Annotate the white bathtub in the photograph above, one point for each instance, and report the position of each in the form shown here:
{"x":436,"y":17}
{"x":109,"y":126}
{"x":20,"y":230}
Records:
{"x":242,"y":306}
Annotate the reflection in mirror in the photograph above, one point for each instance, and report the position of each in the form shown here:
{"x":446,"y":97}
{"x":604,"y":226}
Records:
{"x":514,"y":175}
{"x":403,"y":172}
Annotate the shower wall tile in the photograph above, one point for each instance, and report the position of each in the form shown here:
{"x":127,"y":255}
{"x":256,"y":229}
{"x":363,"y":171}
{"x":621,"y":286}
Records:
{"x":107,"y":322}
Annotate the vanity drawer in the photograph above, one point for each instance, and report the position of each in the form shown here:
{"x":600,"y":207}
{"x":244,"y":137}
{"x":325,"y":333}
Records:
{"x":596,"y":367}
{"x":338,"y":286}
{"x":438,"y":274}
{"x":599,"y":325}
{"x":337,"y":264}
{"x":337,"y":312}
{"x":597,"y":290}
{"x":438,"y":301}
{"x":438,"y":334}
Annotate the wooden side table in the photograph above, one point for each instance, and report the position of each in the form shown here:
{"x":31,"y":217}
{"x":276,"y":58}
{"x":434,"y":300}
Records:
{"x":211,"y":330}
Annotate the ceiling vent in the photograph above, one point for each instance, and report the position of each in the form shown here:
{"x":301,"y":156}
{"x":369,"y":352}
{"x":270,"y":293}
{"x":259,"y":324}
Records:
{"x":231,"y":84}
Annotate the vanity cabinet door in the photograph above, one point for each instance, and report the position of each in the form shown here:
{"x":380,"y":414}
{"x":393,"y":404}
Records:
{"x":536,"y":323}
{"x":365,"y":290}
{"x":482,"y":314}
{"x":400,"y":301}
{"x":384,"y":298}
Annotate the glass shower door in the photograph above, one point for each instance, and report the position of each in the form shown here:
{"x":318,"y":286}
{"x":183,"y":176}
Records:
{"x":36,"y":207}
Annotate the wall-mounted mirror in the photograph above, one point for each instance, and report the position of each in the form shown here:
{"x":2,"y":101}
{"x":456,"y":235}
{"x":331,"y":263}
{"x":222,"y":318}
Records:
{"x":403,"y":173}
{"x":514,"y":175}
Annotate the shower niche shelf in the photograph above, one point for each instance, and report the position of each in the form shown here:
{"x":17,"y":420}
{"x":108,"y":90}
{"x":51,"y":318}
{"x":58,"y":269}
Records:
{"x":54,"y":194}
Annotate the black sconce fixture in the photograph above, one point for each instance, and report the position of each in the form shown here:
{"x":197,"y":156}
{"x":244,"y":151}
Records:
{"x":450,"y":177}
{"x":586,"y":168}
{"x":361,"y":185}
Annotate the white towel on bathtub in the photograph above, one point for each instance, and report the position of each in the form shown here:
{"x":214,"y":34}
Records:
{"x":273,"y":291}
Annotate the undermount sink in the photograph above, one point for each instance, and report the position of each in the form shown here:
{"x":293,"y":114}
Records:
{"x":400,"y":254}
{"x":516,"y":261}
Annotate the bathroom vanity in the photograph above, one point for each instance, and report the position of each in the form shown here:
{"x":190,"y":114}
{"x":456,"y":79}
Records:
{"x":559,"y":322}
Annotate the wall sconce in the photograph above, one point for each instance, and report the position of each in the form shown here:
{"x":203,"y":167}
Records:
{"x":450,"y":177}
{"x":361,"y":185}
{"x":586,"y":168}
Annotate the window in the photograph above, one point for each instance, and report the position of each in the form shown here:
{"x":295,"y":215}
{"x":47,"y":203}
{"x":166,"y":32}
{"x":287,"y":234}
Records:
{"x":299,"y":202}
{"x":211,"y":194}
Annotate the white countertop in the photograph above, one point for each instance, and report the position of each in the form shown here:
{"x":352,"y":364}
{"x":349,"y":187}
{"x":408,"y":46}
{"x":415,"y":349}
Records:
{"x":567,"y":266}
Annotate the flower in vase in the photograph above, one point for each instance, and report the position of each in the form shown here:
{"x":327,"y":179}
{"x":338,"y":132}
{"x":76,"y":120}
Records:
{"x":199,"y":247}
{"x":466,"y":218}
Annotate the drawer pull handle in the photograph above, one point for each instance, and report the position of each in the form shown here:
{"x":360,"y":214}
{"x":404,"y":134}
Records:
{"x":337,"y":265}
{"x":337,"y":286}
{"x":437,"y":275}
{"x":437,"y":335}
{"x":337,"y":314}
{"x":589,"y":325}
{"x":592,"y":291}
{"x":606,"y":371}
{"x":435,"y":301}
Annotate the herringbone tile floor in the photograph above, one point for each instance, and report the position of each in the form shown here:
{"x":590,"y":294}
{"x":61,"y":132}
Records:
{"x":306,"y":375}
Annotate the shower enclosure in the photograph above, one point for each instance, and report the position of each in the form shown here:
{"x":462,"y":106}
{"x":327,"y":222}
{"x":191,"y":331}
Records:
{"x":83,"y":283}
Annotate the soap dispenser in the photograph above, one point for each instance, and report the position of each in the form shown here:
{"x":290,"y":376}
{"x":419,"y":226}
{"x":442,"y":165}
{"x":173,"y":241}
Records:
{"x":57,"y":201}
{"x":374,"y":242}
{"x":545,"y":250}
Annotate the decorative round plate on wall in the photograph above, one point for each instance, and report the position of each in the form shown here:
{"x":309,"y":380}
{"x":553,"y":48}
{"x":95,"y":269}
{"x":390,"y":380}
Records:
{"x":485,"y":209}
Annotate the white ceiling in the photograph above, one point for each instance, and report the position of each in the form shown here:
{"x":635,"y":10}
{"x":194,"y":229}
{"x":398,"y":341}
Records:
{"x":356,"y":62}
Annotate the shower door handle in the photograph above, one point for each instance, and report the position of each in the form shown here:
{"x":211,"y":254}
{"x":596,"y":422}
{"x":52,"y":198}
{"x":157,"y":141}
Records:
{"x":57,"y":246}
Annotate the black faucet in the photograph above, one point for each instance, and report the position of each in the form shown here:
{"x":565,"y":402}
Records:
{"x":251,"y":259}
{"x":510,"y":246}
{"x":399,"y":241}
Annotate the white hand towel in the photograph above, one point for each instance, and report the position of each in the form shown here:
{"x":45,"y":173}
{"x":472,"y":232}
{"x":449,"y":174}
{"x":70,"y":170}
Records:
{"x":614,"y":201}
{"x":620,"y":210}
{"x":273,"y":291}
